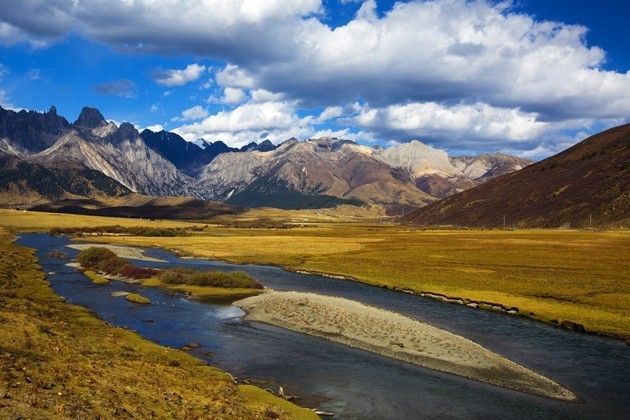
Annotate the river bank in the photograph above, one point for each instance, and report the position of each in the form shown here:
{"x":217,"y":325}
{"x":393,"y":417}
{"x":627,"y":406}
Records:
{"x":60,"y":360}
{"x":396,"y":336}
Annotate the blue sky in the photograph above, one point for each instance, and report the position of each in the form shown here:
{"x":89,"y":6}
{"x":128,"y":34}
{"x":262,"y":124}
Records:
{"x":527,"y":77}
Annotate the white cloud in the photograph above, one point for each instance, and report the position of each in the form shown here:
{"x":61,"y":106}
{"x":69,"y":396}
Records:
{"x":208,"y":84}
{"x":234,"y":76}
{"x":453,"y":70}
{"x":475,"y":122}
{"x":201,"y":27}
{"x":172,"y":78}
{"x":330,"y":113}
{"x":154,"y":107}
{"x":155,"y":128}
{"x":195,"y":113}
{"x":262,"y":95}
{"x":249,"y":122}
{"x":247,"y":117}
{"x":233,"y":96}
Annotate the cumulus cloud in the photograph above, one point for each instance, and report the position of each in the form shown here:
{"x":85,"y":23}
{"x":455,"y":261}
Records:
{"x":124,"y":88}
{"x":172,"y":78}
{"x":195,"y":113}
{"x":262,"y":95}
{"x":155,"y":128}
{"x":233,"y":96}
{"x":275,"y":121}
{"x":478,"y":121}
{"x":203,"y":27}
{"x":234,"y":76}
{"x":449,"y":70}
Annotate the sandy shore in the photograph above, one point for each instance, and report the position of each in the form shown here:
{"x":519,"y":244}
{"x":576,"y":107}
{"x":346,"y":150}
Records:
{"x":396,"y":336}
{"x":119,"y":250}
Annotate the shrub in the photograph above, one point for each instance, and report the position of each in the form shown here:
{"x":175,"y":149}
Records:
{"x":208,"y":278}
{"x":132,"y":272}
{"x":101,"y":259}
{"x":91,"y":258}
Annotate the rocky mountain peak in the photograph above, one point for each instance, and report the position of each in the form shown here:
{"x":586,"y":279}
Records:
{"x":126,"y":131}
{"x":266,"y":146}
{"x":90,"y":118}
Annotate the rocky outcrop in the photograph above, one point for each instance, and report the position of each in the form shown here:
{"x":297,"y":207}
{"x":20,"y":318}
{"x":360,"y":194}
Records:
{"x":122,"y":155}
{"x":439,"y":175}
{"x":27,"y":132}
{"x":188,"y":157}
{"x":488,"y":166}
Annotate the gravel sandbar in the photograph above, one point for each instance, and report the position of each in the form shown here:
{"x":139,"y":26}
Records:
{"x":120,"y":250}
{"x":396,"y":336}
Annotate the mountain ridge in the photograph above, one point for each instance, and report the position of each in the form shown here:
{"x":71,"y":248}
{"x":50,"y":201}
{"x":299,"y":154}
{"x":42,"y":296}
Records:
{"x":586,"y":185}
{"x":164,"y":164}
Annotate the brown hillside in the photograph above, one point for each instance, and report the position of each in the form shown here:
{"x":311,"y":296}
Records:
{"x":590,"y":178}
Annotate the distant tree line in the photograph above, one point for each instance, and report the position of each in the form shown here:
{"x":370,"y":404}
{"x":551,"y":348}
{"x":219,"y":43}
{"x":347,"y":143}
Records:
{"x":121,"y":230}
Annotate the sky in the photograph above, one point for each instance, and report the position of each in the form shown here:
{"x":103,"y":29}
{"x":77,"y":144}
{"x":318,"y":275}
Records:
{"x":525,"y":77}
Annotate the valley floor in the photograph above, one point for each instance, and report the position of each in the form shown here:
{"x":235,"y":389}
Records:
{"x":549,"y":275}
{"x":60,"y":361}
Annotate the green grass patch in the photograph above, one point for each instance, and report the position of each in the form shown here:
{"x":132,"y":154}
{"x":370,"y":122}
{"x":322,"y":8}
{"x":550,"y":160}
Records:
{"x":136,"y":298}
{"x":96,"y":278}
{"x":253,"y":393}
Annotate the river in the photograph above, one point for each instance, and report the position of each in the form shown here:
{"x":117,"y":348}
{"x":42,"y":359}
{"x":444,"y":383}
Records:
{"x":353,"y":383}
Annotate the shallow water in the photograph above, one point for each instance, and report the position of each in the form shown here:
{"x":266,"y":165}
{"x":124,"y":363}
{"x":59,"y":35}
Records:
{"x":351,"y":382}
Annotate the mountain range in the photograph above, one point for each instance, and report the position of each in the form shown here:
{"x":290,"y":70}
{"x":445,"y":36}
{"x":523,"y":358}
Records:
{"x":107,"y":160}
{"x":587,"y":185}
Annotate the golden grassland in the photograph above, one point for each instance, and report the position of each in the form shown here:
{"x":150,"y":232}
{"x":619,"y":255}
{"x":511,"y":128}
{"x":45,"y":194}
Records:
{"x":32,"y":221}
{"x":549,"y":275}
{"x":582,"y":277}
{"x":60,"y":361}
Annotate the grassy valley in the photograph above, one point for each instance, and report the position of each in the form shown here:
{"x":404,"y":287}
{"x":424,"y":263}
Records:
{"x":549,"y":275}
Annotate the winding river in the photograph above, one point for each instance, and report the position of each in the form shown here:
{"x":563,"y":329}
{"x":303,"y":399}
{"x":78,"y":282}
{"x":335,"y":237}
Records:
{"x":350,"y":382}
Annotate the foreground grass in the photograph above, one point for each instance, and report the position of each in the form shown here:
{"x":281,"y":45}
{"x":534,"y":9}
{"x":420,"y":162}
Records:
{"x":553,"y":275}
{"x":60,"y":361}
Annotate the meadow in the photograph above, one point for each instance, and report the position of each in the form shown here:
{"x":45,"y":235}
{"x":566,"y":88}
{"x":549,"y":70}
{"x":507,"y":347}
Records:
{"x":549,"y":275}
